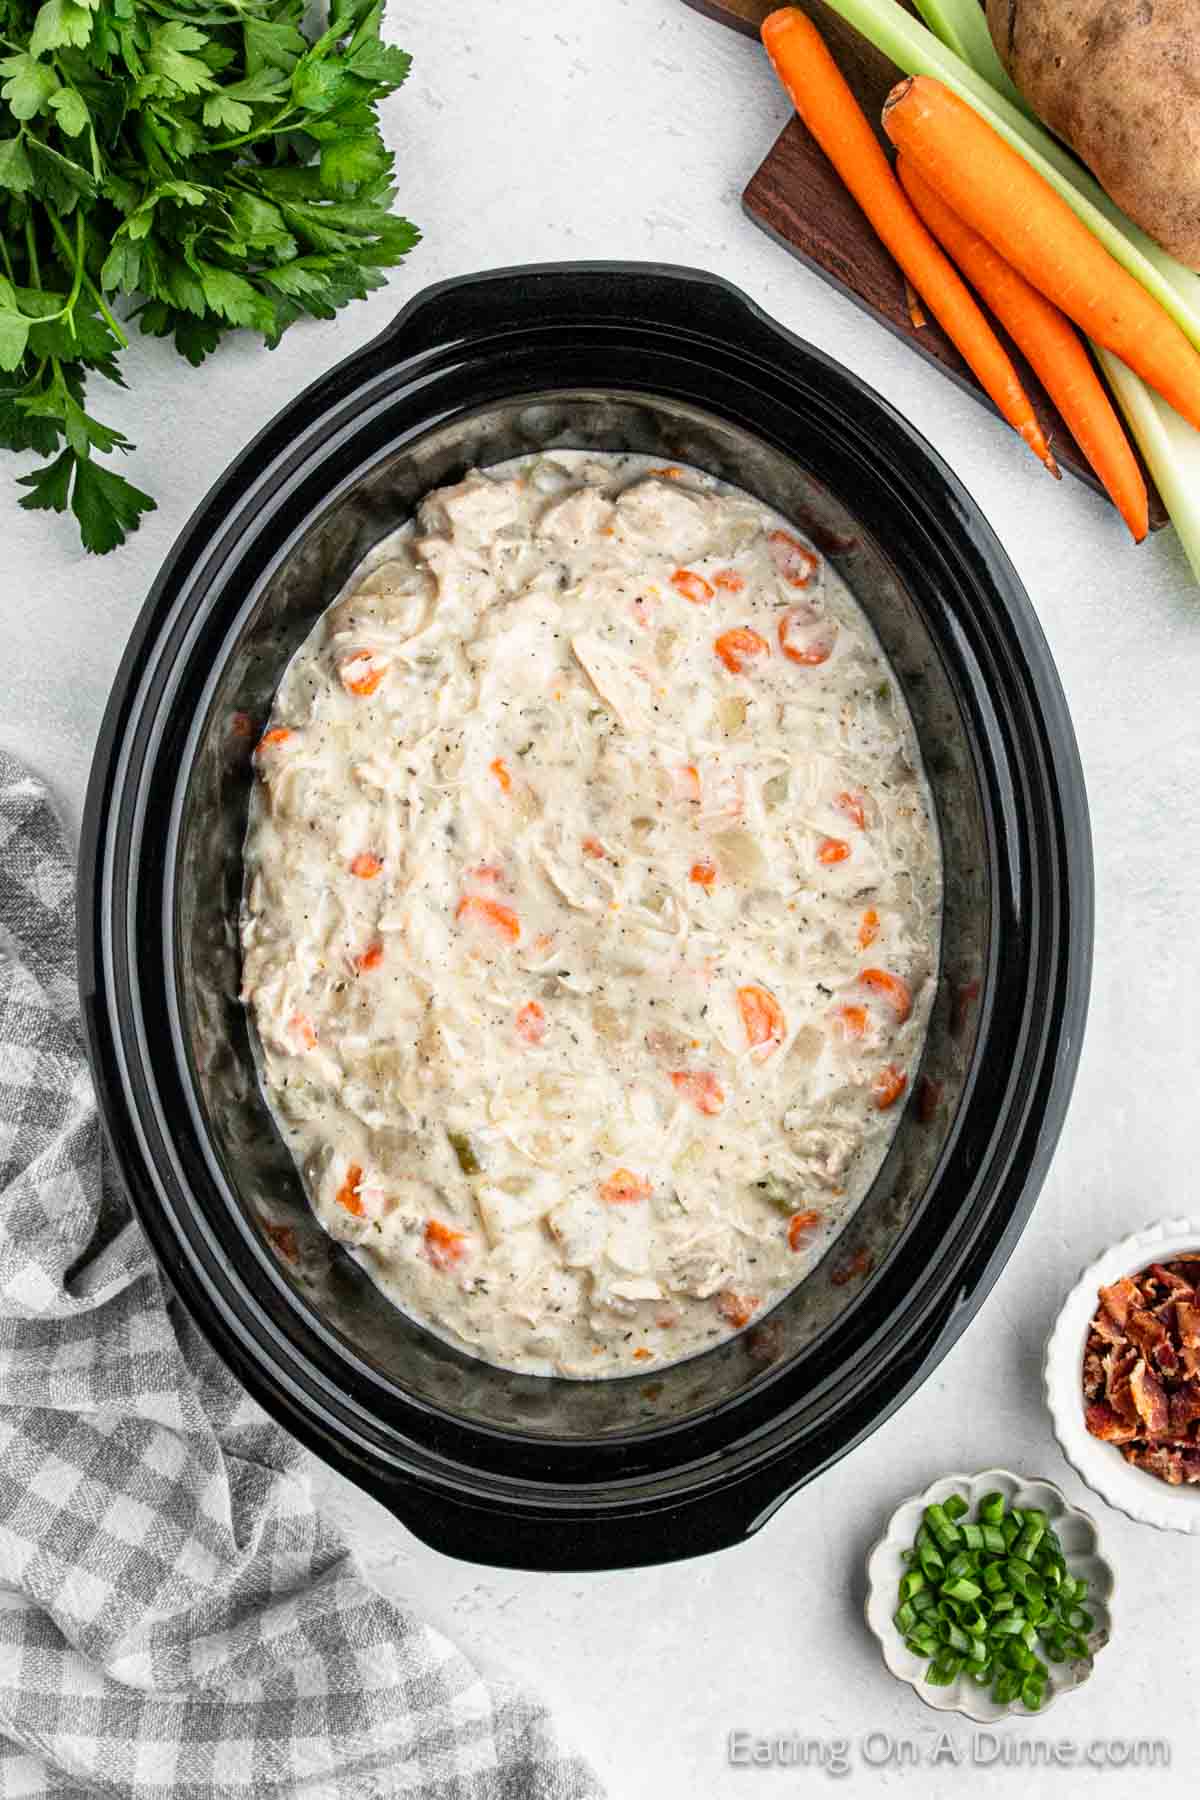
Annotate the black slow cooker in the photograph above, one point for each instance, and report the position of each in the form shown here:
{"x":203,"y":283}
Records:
{"x":482,"y":1463}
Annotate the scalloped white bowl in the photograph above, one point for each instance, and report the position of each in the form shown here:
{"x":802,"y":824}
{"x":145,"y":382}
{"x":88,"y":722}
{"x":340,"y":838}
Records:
{"x":1143,"y":1497}
{"x":1081,"y":1547}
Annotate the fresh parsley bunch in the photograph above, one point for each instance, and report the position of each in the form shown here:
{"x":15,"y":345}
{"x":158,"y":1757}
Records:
{"x":211,"y":158}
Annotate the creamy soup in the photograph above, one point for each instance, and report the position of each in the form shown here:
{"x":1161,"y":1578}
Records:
{"x":592,"y":912}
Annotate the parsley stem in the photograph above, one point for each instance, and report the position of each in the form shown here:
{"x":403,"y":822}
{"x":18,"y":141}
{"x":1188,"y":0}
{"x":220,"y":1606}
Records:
{"x":82,"y":276}
{"x":31,"y":252}
{"x":8,"y":268}
{"x":248,"y":137}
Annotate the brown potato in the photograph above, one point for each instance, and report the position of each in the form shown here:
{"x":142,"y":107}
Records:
{"x":1120,"y":81}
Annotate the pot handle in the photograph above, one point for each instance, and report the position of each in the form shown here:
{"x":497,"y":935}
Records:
{"x":664,"y":298}
{"x":578,"y":1538}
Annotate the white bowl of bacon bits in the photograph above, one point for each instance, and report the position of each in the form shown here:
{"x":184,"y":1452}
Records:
{"x":1122,"y":1376}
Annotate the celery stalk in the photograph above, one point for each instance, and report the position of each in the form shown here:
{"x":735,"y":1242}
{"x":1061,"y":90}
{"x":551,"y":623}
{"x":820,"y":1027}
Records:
{"x":1169,"y":444}
{"x":962,"y":27}
{"x":918,"y":52}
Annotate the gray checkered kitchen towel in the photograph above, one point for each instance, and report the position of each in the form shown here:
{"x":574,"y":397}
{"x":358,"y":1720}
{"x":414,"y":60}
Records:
{"x":175,"y":1617}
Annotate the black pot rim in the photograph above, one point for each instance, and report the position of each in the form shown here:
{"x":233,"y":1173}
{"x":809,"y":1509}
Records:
{"x":504,"y":1516}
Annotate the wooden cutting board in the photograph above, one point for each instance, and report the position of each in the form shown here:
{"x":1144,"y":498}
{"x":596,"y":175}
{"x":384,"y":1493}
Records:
{"x":798,"y":198}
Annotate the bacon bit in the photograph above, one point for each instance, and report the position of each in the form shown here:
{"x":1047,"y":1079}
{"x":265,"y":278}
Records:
{"x":738,"y":647}
{"x":868,"y":929}
{"x":593,"y":847}
{"x":702,"y":1088}
{"x":642,"y":609}
{"x":853,"y":805}
{"x":641,"y":1354}
{"x":1103,"y":1422}
{"x":860,"y":1263}
{"x":304,"y":1029}
{"x":799,"y":1226}
{"x":671,"y":474}
{"x":362,"y":673}
{"x":490,"y":912}
{"x":692,"y":586}
{"x":491,"y":873}
{"x":1146,"y":1322}
{"x":241,"y":725}
{"x":853,"y":1020}
{"x":729,"y":580}
{"x":499,"y":769}
{"x":531,"y":1023}
{"x":703,"y":873}
{"x":371,"y":957}
{"x":793,"y":560}
{"x":366,"y":865}
{"x":806,"y":636}
{"x":279,"y":735}
{"x":667,"y":1321}
{"x":762,"y":1018}
{"x":891,"y":988}
{"x":623,"y":1187}
{"x":284,"y":1239}
{"x":444,"y":1247}
{"x":832,"y":850}
{"x":929,"y":1098}
{"x":738,"y":1309}
{"x":347,"y":1195}
{"x":687,"y":782}
{"x":888,"y":1086}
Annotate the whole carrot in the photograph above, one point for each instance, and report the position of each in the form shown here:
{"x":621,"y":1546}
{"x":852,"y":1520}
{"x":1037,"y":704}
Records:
{"x":1049,"y":340}
{"x":994,"y":190}
{"x":823,"y":100}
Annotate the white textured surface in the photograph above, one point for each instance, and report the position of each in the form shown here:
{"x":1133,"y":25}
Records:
{"x":627,"y":128}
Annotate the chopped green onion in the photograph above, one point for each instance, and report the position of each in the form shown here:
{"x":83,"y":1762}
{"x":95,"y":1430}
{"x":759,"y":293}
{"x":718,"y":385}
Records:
{"x":941,"y":1527}
{"x":954,"y":1507}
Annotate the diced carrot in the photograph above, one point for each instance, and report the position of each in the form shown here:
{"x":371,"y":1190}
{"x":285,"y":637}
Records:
{"x":762,"y":1018}
{"x":729,"y":580}
{"x":868,"y":929}
{"x":806,"y":636}
{"x":852,"y":1020}
{"x":490,"y":912}
{"x":738,"y":1309}
{"x":623,"y":1187}
{"x":687,"y":782}
{"x":795,"y":561}
{"x":702,"y":1088}
{"x":888,"y":1086}
{"x":347,"y":1195}
{"x":279,"y":735}
{"x":444,"y":1247}
{"x":531,"y":1023}
{"x":303,"y":1028}
{"x":693,"y":587}
{"x":366,"y":865}
{"x":642,"y":1354}
{"x":854,"y":807}
{"x":740,"y":646}
{"x":362,"y":673}
{"x":703,"y":873}
{"x":593,"y":847}
{"x":671,"y":474}
{"x":799,"y":1226}
{"x":499,"y":769}
{"x":832,"y":850}
{"x":371,"y":957}
{"x":892,"y":988}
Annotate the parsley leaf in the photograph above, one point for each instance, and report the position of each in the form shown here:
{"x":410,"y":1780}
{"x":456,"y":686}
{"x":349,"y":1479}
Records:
{"x":209,"y":165}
